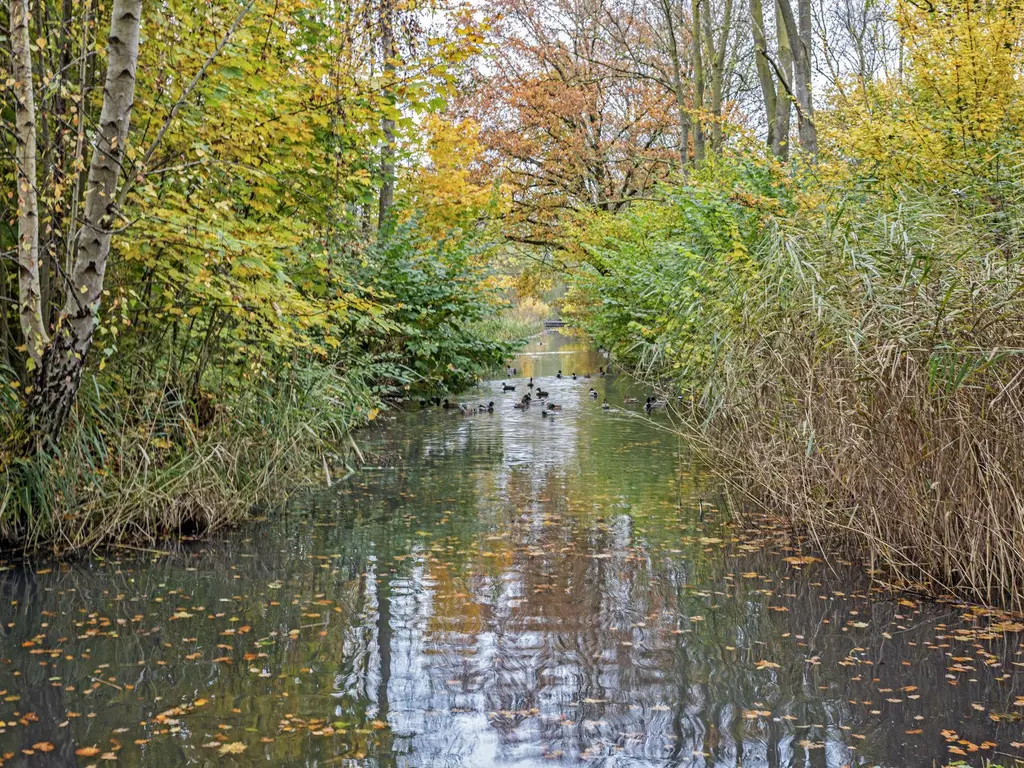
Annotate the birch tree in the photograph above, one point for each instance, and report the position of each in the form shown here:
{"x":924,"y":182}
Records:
{"x":30,"y":310}
{"x":63,"y":361}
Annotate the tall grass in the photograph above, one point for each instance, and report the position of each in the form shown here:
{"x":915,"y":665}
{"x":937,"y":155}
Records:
{"x":856,"y":365}
{"x":135,"y":470}
{"x":883,"y":399}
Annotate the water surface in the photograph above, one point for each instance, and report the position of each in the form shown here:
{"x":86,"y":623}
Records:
{"x":501,"y":589}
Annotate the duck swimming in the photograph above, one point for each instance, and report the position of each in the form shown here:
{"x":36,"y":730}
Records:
{"x":542,"y":392}
{"x":593,"y":393}
{"x":508,"y":387}
{"x":559,"y":374}
{"x":605,"y":406}
{"x":630,"y":400}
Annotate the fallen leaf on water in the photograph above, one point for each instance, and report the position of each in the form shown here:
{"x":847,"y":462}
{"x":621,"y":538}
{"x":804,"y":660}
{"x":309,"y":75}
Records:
{"x":87,"y":751}
{"x":232,"y":748}
{"x":805,"y":560}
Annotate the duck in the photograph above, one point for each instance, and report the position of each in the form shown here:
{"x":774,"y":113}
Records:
{"x":559,"y":374}
{"x":586,"y":375}
{"x":593,"y":393}
{"x":530,"y":384}
{"x":508,"y":387}
{"x":526,"y":398}
{"x":553,"y":407}
{"x":545,"y":413}
{"x":600,"y":370}
{"x":574,"y":375}
{"x":446,"y":404}
{"x":630,"y":400}
{"x":522,"y":405}
{"x":605,"y":406}
{"x":488,"y":407}
{"x":542,"y":392}
{"x":651,"y":403}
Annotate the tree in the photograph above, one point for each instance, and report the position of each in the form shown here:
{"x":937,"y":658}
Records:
{"x":62,"y":362}
{"x":572,"y":128}
{"x":800,"y":34}
{"x":387,"y":153}
{"x":718,"y":49}
{"x":30,"y":307}
{"x":675,"y":56}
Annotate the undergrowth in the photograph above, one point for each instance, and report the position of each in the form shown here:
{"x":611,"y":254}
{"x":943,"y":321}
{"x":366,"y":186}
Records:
{"x":191,"y":417}
{"x":135,"y":470}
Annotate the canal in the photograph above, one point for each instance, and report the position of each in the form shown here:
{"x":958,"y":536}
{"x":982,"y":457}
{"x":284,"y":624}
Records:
{"x":501,"y":588}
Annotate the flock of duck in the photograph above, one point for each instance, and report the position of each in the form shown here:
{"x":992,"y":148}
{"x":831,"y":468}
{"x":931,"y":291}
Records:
{"x":536,"y":394}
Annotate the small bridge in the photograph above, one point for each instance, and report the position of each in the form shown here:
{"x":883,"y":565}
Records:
{"x":554,"y":322}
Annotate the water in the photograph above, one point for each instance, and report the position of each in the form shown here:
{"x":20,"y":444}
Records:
{"x":503,"y":590}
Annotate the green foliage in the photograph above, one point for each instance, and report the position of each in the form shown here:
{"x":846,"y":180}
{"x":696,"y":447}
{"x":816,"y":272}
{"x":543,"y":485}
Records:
{"x":221,"y":408}
{"x":665,"y":283}
{"x":435,"y":296}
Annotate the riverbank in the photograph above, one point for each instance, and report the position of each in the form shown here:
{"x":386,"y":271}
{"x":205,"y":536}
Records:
{"x":191,"y":417}
{"x":853,"y":364}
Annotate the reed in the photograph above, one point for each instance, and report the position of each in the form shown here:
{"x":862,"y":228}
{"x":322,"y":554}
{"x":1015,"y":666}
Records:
{"x":857,"y":367}
{"x":136,"y":470}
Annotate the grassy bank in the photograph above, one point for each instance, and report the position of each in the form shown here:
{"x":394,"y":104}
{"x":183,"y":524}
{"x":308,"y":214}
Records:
{"x":852,"y":351}
{"x":136,"y":470}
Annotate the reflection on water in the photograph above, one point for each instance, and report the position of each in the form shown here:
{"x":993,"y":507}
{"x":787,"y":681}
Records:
{"x":506,"y":589}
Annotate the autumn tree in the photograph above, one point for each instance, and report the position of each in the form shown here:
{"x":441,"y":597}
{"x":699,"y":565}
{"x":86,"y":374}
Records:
{"x":570,"y":132}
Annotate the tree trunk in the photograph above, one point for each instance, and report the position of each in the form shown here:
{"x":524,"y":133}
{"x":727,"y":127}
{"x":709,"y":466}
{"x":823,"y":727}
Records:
{"x":801,"y":72}
{"x":717,"y":67}
{"x":698,"y":86}
{"x":808,"y":131}
{"x":677,"y":84}
{"x":64,"y":360}
{"x":30,"y":308}
{"x":764,"y":71}
{"x":783,"y":103}
{"x":387,"y":153}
